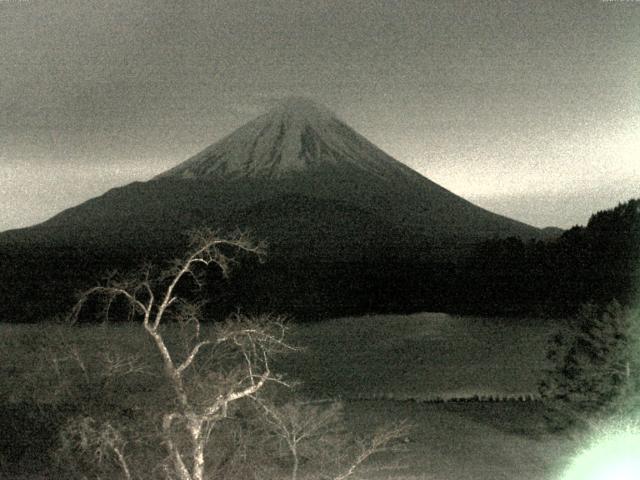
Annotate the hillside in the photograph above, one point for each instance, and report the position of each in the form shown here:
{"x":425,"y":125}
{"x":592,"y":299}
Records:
{"x":325,"y":199}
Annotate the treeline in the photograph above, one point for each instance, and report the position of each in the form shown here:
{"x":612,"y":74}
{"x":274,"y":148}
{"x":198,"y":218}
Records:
{"x":594,"y":263}
{"x":40,"y":280}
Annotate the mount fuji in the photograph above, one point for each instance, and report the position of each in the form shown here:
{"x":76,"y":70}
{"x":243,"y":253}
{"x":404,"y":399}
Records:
{"x":321,"y":195}
{"x":297,"y":155}
{"x":294,"y":137}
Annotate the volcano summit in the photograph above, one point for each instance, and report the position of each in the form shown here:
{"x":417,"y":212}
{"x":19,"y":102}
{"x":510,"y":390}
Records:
{"x":336,"y":211}
{"x":295,"y":136}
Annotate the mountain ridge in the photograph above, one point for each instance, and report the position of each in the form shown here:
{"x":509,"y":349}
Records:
{"x":349,"y":228}
{"x":297,"y":147}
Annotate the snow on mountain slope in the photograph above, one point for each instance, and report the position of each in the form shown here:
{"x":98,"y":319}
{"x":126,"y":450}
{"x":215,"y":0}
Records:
{"x":296,"y":136}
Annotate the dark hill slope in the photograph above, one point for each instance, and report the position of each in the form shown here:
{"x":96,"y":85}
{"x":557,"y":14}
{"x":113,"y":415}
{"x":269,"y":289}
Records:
{"x":334,"y":208}
{"x":169,"y":205}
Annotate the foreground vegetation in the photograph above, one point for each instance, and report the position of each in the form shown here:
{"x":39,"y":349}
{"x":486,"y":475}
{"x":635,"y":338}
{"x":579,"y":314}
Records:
{"x":166,"y":396}
{"x":447,"y":440}
{"x":212,"y":410}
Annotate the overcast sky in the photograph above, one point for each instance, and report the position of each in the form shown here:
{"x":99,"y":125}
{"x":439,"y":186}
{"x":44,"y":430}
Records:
{"x":527,"y":108}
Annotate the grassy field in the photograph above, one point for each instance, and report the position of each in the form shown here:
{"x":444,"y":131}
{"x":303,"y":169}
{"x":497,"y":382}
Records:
{"x":419,"y":356}
{"x":471,"y":441}
{"x":383,"y":367}
{"x":401,"y":360}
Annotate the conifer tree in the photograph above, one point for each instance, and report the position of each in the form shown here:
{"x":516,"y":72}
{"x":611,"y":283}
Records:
{"x":594,"y":363}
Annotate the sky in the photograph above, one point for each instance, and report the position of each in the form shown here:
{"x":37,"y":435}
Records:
{"x":528,"y":108}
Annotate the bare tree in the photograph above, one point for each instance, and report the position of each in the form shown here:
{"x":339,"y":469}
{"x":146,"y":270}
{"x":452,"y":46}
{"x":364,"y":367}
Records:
{"x":307,"y":428}
{"x":207,"y":372}
{"x":247,"y":343}
{"x":298,"y":424}
{"x":103,"y":441}
{"x":376,"y":443}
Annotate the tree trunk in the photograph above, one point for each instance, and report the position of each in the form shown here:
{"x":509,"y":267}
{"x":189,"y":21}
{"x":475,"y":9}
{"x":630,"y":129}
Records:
{"x":178,"y":464}
{"x":195,"y":428}
{"x":296,"y":462}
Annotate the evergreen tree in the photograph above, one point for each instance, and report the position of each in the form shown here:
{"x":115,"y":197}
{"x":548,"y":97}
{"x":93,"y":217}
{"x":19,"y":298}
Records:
{"x":594,"y":364}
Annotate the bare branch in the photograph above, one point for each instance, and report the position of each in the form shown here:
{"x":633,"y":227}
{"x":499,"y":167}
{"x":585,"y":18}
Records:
{"x":103,"y":440}
{"x":206,"y":250}
{"x":191,"y":357}
{"x":110,"y":293}
{"x":377,"y":443}
{"x":222,"y":401}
